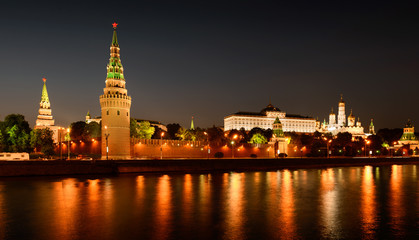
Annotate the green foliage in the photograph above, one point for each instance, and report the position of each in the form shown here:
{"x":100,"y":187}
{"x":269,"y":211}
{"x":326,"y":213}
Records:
{"x":216,"y":136}
{"x":15,"y":134}
{"x":41,"y":140}
{"x":145,"y":130}
{"x":133,"y":128}
{"x":258,"y":138}
{"x":78,"y":131}
{"x":182,"y":133}
{"x":93,"y":130}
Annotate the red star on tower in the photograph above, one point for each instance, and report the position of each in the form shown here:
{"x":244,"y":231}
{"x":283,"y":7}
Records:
{"x":44,"y":79}
{"x":114,"y":25}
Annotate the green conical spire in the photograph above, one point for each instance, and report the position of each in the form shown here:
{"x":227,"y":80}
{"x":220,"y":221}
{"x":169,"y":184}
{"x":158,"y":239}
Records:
{"x":192,"y":126}
{"x":44,"y":98}
{"x":115,"y":69}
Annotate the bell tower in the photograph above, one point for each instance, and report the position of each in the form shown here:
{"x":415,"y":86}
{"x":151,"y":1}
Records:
{"x":115,"y":106}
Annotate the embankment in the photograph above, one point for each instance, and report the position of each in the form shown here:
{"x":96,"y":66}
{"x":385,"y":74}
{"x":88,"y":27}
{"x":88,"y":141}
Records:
{"x":45,"y":168}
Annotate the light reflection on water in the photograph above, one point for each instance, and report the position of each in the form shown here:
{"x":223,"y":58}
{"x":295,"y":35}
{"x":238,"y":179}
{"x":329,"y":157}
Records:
{"x":335,"y":203}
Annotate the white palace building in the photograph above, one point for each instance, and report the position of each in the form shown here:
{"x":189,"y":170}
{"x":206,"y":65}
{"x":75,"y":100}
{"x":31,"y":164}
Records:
{"x":265,"y":119}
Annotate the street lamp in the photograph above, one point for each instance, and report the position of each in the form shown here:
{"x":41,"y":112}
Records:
{"x":61,"y":147}
{"x":327,"y":146}
{"x":208,"y":146}
{"x":68,"y":143}
{"x":161,"y":145}
{"x":232,"y":146}
{"x":107,"y":146}
{"x":366,"y":142}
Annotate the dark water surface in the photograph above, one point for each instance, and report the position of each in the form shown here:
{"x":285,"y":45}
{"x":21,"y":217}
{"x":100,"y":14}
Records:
{"x":334,"y":203}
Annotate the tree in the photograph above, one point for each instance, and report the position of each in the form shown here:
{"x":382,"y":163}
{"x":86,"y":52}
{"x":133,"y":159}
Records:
{"x":15,"y":134}
{"x":182,"y":134}
{"x":133,"y":126}
{"x":93,"y":130}
{"x":258,"y":138}
{"x":41,"y":139}
{"x":145,"y":130}
{"x":172,"y":129}
{"x":216,"y":136}
{"x":78,"y":131}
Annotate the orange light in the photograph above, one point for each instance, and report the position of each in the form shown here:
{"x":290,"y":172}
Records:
{"x":368,"y":142}
{"x":162,"y":134}
{"x":205,"y":133}
{"x":235,"y":136}
{"x":68,"y":130}
{"x":93,"y":140}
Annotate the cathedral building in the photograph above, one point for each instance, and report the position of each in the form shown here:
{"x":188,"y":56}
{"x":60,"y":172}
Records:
{"x":342,"y":124}
{"x":45,"y":119}
{"x":115,"y":107}
{"x":265,"y":119}
{"x":278,"y":140}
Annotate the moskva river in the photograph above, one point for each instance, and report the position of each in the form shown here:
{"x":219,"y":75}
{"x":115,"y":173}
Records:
{"x":333,"y":203}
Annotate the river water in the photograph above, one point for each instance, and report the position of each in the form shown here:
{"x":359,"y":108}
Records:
{"x":334,"y":203}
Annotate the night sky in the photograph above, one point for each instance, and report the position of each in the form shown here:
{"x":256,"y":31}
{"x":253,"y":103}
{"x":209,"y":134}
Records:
{"x":209,"y":59}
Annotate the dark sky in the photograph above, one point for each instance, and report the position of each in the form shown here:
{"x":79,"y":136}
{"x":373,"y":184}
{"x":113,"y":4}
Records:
{"x":209,"y":59}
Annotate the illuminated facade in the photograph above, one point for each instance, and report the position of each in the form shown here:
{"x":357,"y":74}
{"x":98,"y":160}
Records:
{"x":341,"y":125}
{"x":115,"y":107}
{"x":409,"y":137}
{"x":45,"y":119}
{"x":265,"y":120}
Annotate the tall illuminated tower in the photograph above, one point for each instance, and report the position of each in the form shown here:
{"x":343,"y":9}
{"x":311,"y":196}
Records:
{"x":45,"y":118}
{"x":341,"y":113}
{"x":115,"y":104}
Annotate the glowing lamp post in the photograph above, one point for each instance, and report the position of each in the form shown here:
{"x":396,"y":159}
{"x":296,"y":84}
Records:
{"x":232,"y":146}
{"x":60,"y":142}
{"x":366,"y":143}
{"x":107,"y":146}
{"x":161,"y":145}
{"x":68,"y":143}
{"x":327,"y":146}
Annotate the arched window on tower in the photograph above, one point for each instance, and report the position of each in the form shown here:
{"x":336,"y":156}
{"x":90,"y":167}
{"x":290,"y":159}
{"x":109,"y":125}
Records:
{"x":118,"y":112}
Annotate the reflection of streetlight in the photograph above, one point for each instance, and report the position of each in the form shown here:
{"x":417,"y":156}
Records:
{"x":107,"y":146}
{"x":208,"y":146}
{"x":68,"y":143}
{"x":161,"y":145}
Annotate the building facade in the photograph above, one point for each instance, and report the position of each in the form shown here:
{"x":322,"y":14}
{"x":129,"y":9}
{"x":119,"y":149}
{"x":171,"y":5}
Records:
{"x":342,"y":124}
{"x":265,"y":120}
{"x":409,"y":137}
{"x":115,"y":107}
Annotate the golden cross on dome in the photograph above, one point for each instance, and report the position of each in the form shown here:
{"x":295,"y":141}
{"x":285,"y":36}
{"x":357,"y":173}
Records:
{"x":114,"y":25}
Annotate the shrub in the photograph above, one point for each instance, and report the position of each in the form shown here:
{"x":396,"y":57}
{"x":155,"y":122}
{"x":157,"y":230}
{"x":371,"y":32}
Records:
{"x":253,"y":155}
{"x":219,"y":155}
{"x":282,"y":155}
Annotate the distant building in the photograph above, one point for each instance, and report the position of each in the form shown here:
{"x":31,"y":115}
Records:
{"x":265,"y":120}
{"x":89,"y":119}
{"x":409,"y":137}
{"x":45,"y":119}
{"x":341,"y":125}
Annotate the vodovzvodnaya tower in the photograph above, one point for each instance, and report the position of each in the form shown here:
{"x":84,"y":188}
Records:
{"x":115,"y":104}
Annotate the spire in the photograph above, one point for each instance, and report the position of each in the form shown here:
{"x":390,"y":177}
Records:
{"x":372,"y":123}
{"x":350,"y":115}
{"x":192,"y":126}
{"x":114,"y":68}
{"x":88,"y":114}
{"x":341,"y":98}
{"x":44,"y":98}
{"x":114,"y":38}
{"x":332,"y":112}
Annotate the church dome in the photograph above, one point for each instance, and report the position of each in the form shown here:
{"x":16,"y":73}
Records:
{"x":270,"y":108}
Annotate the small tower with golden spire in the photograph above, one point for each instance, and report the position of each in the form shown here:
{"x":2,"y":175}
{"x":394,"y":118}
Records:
{"x":45,"y":118}
{"x":115,"y":105}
